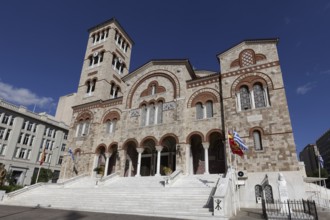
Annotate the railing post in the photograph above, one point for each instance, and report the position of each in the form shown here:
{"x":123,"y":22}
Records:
{"x":289,"y":209}
{"x":316,"y":217}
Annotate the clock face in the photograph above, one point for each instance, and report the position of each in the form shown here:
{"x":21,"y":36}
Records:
{"x":95,"y":54}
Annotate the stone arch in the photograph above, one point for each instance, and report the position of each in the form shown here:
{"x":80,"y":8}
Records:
{"x":112,"y":146}
{"x":85,"y":115}
{"x":195,"y":133}
{"x":148,"y":91}
{"x":207,"y":137}
{"x":168,"y":135}
{"x":160,"y":73}
{"x":128,"y":141}
{"x":111,"y":114}
{"x":216,"y":151}
{"x":101,"y":148}
{"x":77,"y":152}
{"x":149,"y":138}
{"x":203,"y":95}
{"x":250,"y":79}
{"x":260,"y":129}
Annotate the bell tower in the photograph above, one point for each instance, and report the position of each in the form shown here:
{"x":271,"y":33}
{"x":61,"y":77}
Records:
{"x":106,"y":61}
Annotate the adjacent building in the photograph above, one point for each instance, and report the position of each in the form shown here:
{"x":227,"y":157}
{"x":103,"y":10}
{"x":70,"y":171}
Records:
{"x":165,"y":114}
{"x":309,"y":155}
{"x":24,"y":135}
{"x":323,"y":144}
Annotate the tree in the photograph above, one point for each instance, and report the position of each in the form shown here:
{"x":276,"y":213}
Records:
{"x":44,"y":176}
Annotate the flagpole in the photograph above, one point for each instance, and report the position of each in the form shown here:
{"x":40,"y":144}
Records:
{"x":38,"y":174}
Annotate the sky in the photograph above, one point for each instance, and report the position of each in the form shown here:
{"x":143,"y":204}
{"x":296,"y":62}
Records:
{"x":42,"y":46}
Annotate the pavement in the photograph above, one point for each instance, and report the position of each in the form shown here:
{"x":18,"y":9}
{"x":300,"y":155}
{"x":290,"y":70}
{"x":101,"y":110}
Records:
{"x":32,"y":213}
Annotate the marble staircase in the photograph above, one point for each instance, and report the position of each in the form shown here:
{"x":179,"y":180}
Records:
{"x":189,"y":197}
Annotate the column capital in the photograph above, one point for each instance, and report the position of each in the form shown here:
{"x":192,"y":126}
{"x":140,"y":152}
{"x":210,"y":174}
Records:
{"x":107,"y":155}
{"x":159,"y":148}
{"x":206,"y":145}
{"x":139,"y":150}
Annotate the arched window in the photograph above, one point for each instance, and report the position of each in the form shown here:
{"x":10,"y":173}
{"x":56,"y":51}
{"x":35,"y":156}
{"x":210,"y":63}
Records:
{"x":111,"y":126}
{"x":144,"y":115}
{"x":245,"y":98}
{"x":159,"y":112}
{"x":257,"y":140}
{"x":199,"y":111}
{"x":151,"y":114}
{"x":259,"y":96}
{"x":209,"y":109}
{"x":258,"y":193}
{"x":82,"y":128}
{"x":269,"y":194}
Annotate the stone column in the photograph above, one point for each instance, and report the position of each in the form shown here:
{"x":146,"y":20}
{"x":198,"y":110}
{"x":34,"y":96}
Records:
{"x":94,"y":165}
{"x":107,"y":155}
{"x":253,"y":106}
{"x":139,"y":150}
{"x":159,"y":150}
{"x":206,"y":156}
{"x":129,"y":167}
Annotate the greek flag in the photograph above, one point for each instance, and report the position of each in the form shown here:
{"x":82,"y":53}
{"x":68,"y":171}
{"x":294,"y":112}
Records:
{"x":321,"y":161}
{"x":71,"y":153}
{"x":240,"y":142}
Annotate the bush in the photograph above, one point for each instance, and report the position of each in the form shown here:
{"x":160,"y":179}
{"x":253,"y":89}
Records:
{"x":10,"y":188}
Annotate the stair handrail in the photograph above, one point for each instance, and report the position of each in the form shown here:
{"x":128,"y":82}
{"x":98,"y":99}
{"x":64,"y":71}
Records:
{"x":65,"y":182}
{"x":26,"y":188}
{"x":111,"y":176}
{"x":169,"y":180}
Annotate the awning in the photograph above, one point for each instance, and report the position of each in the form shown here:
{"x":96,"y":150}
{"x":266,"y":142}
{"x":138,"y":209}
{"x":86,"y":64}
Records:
{"x":313,"y":179}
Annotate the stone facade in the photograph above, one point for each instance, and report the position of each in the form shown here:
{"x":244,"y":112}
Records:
{"x":166,"y":114}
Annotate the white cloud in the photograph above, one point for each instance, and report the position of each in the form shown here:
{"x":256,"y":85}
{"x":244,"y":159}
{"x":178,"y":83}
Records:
{"x":22,"y":96}
{"x":302,"y":90}
{"x":325,"y":71}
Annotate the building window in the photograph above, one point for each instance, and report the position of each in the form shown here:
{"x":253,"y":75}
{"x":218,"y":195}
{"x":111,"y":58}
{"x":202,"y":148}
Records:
{"x":204,"y":111}
{"x":60,"y":160}
{"x":82,"y":128}
{"x":121,"y":42}
{"x":28,"y":156}
{"x":26,"y":139}
{"x":90,"y":86}
{"x":2,"y":149}
{"x":152,"y":114}
{"x":100,"y":36}
{"x":29,"y":127}
{"x":31,"y":141}
{"x":63,"y":147}
{"x":251,"y":99}
{"x":245,"y":98}
{"x":20,"y":138}
{"x":7,"y":135}
{"x":65,"y":136}
{"x":22,"y":153}
{"x":199,"y":111}
{"x":118,"y":64}
{"x":257,"y":140}
{"x":5,"y":119}
{"x":96,"y":59}
{"x":111,"y":126}
{"x":259,"y":96}
{"x":114,"y":90}
{"x":2,"y":133}
{"x":258,"y":193}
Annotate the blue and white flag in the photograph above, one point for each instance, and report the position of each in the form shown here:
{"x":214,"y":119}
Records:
{"x":71,"y":153}
{"x":321,"y":161}
{"x":240,"y":142}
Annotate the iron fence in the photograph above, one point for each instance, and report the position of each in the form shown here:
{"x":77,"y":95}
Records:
{"x":290,"y":209}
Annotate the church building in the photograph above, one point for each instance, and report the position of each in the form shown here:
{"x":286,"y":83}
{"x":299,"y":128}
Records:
{"x":167,"y":116}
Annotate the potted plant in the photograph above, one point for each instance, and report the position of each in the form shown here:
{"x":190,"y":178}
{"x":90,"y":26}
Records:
{"x":99,"y":171}
{"x":168,"y":171}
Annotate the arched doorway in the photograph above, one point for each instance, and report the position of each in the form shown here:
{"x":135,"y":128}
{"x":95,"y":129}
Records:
{"x":101,"y":159}
{"x":113,"y":158}
{"x":148,"y":158}
{"x":131,"y":159}
{"x":216,"y":153}
{"x":197,"y":153}
{"x":168,"y":154}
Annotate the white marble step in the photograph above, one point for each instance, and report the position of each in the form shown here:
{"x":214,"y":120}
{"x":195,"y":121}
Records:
{"x":135,"y":195}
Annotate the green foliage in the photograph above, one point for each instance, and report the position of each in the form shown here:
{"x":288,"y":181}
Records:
{"x":44,"y":176}
{"x":10,"y":188}
{"x":315,"y":173}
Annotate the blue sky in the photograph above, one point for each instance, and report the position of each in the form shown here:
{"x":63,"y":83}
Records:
{"x":42,"y":45}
